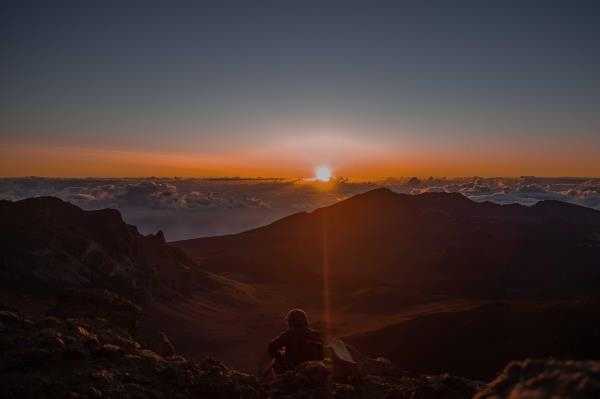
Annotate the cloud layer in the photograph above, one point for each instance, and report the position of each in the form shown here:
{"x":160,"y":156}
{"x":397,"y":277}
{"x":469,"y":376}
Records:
{"x":189,"y":208}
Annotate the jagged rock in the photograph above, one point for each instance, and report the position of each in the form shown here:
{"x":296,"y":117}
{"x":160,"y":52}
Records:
{"x":10,"y":318}
{"x":85,"y":334}
{"x":151,"y":358}
{"x":445,"y":386}
{"x":315,"y":380}
{"x":309,"y":380}
{"x":217,"y":380}
{"x":60,"y":360}
{"x":95,"y":393}
{"x":165,"y":347}
{"x":98,"y":303}
{"x":160,"y":236}
{"x":110,"y":351}
{"x":546,"y":379}
{"x":55,"y":245}
{"x":315,"y":373}
{"x":379,"y":366}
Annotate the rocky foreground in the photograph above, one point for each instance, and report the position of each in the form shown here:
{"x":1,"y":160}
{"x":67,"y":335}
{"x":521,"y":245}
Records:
{"x":541,"y":379}
{"x":78,"y":355}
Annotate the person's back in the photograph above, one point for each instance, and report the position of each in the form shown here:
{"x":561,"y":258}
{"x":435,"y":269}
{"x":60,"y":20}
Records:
{"x":296,"y":345}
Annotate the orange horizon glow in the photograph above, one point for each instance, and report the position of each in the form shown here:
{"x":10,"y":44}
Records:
{"x":294,"y":158}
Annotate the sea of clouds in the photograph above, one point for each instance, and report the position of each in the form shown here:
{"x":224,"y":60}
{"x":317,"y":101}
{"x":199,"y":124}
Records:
{"x":190,"y":208}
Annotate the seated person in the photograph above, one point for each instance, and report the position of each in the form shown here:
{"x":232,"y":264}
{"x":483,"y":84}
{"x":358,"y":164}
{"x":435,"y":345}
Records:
{"x":296,"y":345}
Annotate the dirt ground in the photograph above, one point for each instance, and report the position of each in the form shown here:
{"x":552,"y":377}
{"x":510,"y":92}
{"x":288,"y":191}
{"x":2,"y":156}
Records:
{"x":238,"y":334}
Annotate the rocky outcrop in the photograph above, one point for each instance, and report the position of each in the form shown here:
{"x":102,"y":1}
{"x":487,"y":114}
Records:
{"x":53,"y":357}
{"x":51,"y":244}
{"x":87,"y":357}
{"x":546,"y":379}
{"x":97,"y":303}
{"x":318,"y":380}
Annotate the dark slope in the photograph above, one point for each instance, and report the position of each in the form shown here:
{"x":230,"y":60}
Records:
{"x":477,"y":343}
{"x":49,"y":245}
{"x":56,"y":257}
{"x":434,"y":243}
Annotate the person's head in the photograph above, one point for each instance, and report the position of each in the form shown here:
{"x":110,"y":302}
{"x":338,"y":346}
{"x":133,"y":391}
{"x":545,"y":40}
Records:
{"x":296,"y":318}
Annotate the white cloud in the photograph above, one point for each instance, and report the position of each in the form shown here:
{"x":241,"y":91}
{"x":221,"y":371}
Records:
{"x":187,"y":208}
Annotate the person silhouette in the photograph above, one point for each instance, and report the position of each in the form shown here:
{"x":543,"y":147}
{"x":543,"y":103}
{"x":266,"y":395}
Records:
{"x":296,"y":345}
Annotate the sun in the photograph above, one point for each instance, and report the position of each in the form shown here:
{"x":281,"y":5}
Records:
{"x":322,"y":173}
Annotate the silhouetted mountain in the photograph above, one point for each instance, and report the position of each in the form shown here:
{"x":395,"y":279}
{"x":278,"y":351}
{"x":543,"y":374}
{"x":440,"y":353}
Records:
{"x":545,"y":378}
{"x":52,"y":244}
{"x":58,"y":259}
{"x":417,"y":246}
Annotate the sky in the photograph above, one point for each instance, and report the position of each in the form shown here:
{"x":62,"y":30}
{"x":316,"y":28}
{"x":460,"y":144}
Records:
{"x":370,"y":89}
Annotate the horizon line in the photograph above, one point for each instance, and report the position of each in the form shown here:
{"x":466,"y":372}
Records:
{"x":334,"y":179}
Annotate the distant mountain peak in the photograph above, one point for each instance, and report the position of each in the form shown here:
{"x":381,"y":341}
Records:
{"x":430,"y":242}
{"x":385,"y":194}
{"x":379,"y":192}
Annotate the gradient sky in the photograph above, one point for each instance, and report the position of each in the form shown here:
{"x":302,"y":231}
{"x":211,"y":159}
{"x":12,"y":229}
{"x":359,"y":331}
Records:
{"x":249,"y":88}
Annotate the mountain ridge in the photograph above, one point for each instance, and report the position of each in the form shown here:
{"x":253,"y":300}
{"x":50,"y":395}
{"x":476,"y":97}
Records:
{"x":432,"y":242}
{"x":54,"y":243}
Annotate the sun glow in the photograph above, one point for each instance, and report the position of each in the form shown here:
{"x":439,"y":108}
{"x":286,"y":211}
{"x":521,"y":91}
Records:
{"x":322,"y":173}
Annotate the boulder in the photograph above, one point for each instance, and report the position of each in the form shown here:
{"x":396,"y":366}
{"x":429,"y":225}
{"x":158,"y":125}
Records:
{"x":93,"y":358}
{"x":545,"y":379}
